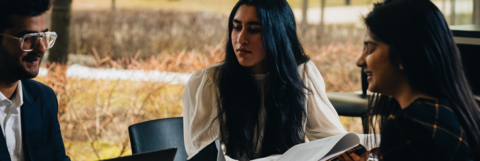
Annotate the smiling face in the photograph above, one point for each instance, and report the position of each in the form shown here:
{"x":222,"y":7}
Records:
{"x":383,"y":76}
{"x":247,"y":39}
{"x":16,"y":64}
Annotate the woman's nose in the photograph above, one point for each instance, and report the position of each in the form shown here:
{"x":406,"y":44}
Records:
{"x":361,"y":62}
{"x":242,"y":38}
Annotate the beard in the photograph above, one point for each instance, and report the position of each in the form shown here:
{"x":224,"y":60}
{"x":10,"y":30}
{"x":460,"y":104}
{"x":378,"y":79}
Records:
{"x":11,"y":67}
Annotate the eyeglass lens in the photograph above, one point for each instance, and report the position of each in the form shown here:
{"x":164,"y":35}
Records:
{"x":31,"y":41}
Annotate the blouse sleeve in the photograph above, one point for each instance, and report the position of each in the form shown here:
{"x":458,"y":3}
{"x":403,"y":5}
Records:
{"x":199,"y":110}
{"x":322,"y":118}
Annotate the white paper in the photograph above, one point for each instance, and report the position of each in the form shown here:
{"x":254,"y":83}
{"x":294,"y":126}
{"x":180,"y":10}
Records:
{"x":346,"y":143}
{"x":372,"y":142}
{"x":269,"y":158}
{"x":315,"y":150}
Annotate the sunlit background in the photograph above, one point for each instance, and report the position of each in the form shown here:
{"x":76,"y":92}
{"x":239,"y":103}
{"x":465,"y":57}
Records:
{"x":128,"y":61}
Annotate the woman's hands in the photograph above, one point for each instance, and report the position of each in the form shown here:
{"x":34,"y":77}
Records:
{"x":354,"y":157}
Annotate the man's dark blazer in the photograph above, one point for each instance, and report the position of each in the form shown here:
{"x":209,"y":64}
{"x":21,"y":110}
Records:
{"x":41,"y":135}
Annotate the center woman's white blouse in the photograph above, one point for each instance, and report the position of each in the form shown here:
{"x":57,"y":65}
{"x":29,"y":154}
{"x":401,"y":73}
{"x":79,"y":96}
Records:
{"x":200,"y":108}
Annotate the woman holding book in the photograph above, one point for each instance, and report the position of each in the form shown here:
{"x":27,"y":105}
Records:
{"x":423,"y":103}
{"x":266,"y":96}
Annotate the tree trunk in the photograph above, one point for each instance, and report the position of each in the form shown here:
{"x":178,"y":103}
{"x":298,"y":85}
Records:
{"x":113,"y":5}
{"x":476,"y":12}
{"x":304,"y":16}
{"x":452,"y":12}
{"x":322,"y":16}
{"x":61,"y":14}
{"x":444,"y":7}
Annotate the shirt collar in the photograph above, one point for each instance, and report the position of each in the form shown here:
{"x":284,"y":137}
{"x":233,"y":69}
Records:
{"x":259,"y":76}
{"x":19,"y":96}
{"x":2,"y":97}
{"x":18,"y":99}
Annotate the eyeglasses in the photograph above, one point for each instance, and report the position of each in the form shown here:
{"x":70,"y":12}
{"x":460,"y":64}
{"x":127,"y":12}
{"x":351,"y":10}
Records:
{"x":29,"y":41}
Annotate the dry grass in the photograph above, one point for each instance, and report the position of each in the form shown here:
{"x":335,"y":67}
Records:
{"x":123,"y":33}
{"x":98,"y":112}
{"x":336,"y":62}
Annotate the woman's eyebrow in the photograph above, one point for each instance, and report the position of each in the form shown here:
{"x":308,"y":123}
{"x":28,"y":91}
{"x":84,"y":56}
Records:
{"x":254,"y":23}
{"x":370,"y":42}
{"x":249,"y":23}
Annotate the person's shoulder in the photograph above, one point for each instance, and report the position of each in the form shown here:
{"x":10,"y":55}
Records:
{"x":432,"y":113}
{"x":213,"y":70}
{"x":306,"y":65}
{"x":30,"y":83}
{"x":401,"y":139}
{"x":34,"y":87}
{"x":434,"y":120}
{"x":205,"y":75}
{"x":308,"y":68}
{"x":309,"y":71}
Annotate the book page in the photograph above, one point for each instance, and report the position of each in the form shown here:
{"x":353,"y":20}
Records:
{"x":346,"y":143}
{"x":314,"y":150}
{"x":373,"y":140}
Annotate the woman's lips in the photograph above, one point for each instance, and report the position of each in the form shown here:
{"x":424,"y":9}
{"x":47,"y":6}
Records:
{"x":243,"y":51}
{"x":369,"y":75}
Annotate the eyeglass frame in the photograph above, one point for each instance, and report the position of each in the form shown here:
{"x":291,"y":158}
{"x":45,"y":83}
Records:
{"x":42,"y":34}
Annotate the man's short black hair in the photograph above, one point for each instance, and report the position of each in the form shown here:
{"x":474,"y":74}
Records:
{"x":20,"y":7}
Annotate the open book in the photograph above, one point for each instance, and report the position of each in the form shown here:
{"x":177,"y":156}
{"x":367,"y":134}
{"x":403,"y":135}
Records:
{"x":329,"y":148}
{"x":318,"y":150}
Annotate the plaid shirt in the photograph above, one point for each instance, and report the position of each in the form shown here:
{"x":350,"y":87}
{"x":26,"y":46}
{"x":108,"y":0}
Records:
{"x":425,"y":130}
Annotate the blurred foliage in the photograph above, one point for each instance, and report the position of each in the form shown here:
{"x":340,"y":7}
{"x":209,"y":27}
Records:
{"x":124,"y":33}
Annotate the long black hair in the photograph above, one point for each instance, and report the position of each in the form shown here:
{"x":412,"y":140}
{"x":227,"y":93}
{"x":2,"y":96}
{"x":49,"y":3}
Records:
{"x":420,"y":39}
{"x":284,"y":98}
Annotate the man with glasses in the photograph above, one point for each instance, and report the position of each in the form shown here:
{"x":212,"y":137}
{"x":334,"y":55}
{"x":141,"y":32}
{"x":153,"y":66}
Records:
{"x":28,"y":109}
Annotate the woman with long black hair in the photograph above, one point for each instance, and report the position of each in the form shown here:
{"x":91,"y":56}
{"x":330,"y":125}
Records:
{"x":423,"y":105}
{"x":266,"y":96}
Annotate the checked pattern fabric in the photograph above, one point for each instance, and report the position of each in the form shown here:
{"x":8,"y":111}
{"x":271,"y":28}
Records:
{"x":425,"y":130}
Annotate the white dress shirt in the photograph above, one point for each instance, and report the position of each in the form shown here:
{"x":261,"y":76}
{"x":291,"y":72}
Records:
{"x":200,"y":100}
{"x":11,"y":123}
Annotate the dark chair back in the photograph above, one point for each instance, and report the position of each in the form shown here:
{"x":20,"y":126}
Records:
{"x":467,"y":38}
{"x":158,"y":134}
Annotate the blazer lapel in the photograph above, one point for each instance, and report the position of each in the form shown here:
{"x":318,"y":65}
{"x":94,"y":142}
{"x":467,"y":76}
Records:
{"x":31,"y":122}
